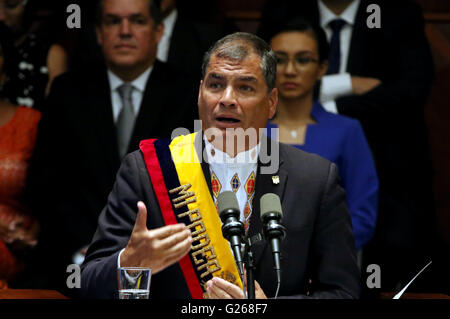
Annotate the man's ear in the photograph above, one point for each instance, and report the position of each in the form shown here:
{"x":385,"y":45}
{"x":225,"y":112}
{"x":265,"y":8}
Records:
{"x":199,"y":91}
{"x":273,"y":102}
{"x":98,"y":32}
{"x":159,"y":31}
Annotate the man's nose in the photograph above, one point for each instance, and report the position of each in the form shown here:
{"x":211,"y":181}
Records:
{"x":125,"y":28}
{"x":228,"y":98}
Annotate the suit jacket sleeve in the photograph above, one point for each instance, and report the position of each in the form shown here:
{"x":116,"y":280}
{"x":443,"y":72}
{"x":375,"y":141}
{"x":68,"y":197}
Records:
{"x":360,"y":181}
{"x":336,"y":274}
{"x":116,"y":222}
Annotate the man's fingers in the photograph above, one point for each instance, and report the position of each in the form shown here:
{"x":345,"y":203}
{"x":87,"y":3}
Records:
{"x":179,"y":250}
{"x":259,"y":293}
{"x":229,"y":288}
{"x":166,"y":231}
{"x":213,"y":293}
{"x":141,"y":218}
{"x":174,"y":239}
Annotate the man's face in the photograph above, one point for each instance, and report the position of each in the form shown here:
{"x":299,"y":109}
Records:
{"x":233,"y":94}
{"x":128,"y":34}
{"x":11,"y":12}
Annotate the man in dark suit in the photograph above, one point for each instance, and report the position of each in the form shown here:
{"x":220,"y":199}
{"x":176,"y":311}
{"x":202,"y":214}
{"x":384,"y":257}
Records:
{"x":92,"y":120}
{"x":381,"y":74}
{"x":185,"y":41}
{"x":237,"y":92}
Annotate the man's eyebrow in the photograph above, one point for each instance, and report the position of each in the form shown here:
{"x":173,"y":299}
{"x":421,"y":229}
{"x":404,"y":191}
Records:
{"x":111,"y":15}
{"x":137,"y":15}
{"x":116,"y":16}
{"x":248,"y":78}
{"x":216,"y":76}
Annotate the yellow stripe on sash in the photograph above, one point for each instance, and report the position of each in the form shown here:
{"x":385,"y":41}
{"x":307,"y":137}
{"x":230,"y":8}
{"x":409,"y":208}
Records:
{"x":210,"y":251}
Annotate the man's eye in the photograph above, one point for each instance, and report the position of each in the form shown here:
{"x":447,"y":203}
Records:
{"x":246,"y":88}
{"x":138,"y":20}
{"x":112,"y":21}
{"x":214,"y":85}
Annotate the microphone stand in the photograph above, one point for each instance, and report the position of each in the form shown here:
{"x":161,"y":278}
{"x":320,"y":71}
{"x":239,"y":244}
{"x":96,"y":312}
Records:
{"x":250,"y":268}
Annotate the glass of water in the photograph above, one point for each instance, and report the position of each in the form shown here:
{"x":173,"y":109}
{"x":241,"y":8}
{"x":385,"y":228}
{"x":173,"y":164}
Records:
{"x":134,"y":282}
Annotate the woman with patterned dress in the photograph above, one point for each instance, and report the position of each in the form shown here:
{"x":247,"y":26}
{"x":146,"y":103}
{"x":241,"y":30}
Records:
{"x":18,"y":128}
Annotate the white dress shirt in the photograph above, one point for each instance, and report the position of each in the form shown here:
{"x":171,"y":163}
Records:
{"x":225,"y":166}
{"x":164,"y":45}
{"x":337,"y":85}
{"x":137,"y":94}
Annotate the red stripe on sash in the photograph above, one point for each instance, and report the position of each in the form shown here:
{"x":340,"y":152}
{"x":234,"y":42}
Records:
{"x":157,"y":179}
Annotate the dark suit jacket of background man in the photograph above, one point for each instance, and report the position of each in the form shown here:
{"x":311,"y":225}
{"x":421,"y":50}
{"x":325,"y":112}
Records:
{"x":392,"y":116}
{"x":77,"y":156}
{"x":189,"y":42}
{"x":319,"y":243}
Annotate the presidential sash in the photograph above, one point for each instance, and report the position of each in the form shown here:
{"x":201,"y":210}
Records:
{"x":183,"y":197}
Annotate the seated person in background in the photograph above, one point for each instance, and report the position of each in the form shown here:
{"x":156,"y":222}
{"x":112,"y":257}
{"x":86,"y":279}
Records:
{"x":184,"y":42}
{"x":39,"y":61}
{"x":18,"y":128}
{"x":301,"y":50}
{"x":381,"y":76}
{"x":237,"y":93}
{"x":93,"y":119}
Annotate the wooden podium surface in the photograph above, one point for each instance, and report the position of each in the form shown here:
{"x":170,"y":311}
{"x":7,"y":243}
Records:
{"x":30,"y":294}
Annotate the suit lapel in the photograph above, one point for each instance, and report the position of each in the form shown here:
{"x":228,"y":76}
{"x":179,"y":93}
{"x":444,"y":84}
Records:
{"x":200,"y":146}
{"x":178,"y":44}
{"x":357,"y":42}
{"x":265,"y":183}
{"x":151,"y":108}
{"x":101,"y":105}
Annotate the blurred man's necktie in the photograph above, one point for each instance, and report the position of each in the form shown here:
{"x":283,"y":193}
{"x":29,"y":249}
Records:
{"x":334,"y":58}
{"x":125,"y":122}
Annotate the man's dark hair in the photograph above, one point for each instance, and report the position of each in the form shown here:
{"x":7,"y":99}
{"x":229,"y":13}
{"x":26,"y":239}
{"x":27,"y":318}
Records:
{"x":303,"y":25}
{"x":154,"y":7}
{"x":240,"y":45}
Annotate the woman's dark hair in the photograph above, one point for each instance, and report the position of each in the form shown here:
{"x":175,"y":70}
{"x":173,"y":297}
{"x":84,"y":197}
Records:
{"x":303,"y":25}
{"x":10,"y":62}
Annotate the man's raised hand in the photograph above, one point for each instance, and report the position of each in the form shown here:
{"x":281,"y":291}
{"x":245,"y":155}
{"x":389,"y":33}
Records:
{"x":157,"y":248}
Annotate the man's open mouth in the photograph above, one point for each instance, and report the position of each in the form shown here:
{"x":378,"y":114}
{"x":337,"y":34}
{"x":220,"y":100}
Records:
{"x":227,"y":120}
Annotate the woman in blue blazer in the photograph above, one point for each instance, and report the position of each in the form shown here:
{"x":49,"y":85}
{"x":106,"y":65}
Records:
{"x":302,"y":50}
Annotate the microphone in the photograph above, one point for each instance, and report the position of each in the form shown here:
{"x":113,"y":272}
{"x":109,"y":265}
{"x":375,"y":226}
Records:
{"x":273,"y":230}
{"x":232,"y":228}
